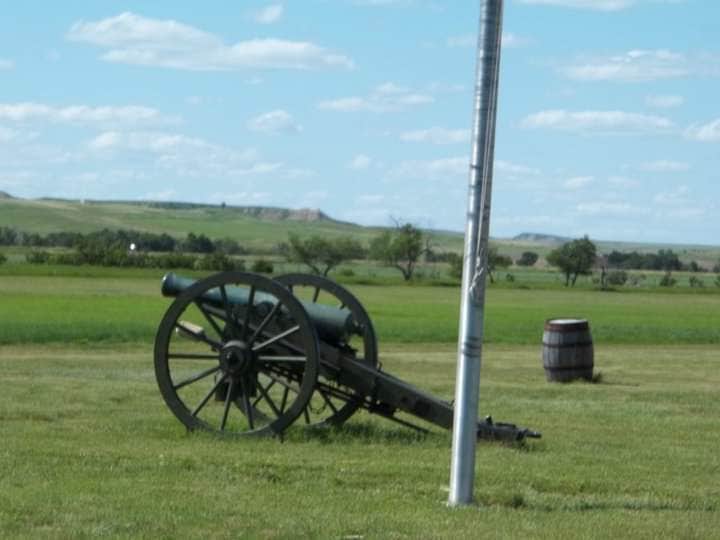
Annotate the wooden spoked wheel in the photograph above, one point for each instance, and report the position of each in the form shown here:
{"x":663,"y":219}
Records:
{"x":333,"y":403}
{"x":237,"y":354}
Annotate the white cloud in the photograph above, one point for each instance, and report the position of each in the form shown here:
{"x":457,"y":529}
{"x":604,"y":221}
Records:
{"x":149,"y":142}
{"x":386,"y":97}
{"x":165,"y":195}
{"x":350,"y":104}
{"x":445,"y":88}
{"x":633,"y":66}
{"x":643,"y":65}
{"x":106,"y":141}
{"x":437,"y":135}
{"x":311,"y":199}
{"x":665,"y":165}
{"x":269,"y":14}
{"x":16,"y":153}
{"x":455,"y":169}
{"x":83,"y":114}
{"x":370,"y":199}
{"x":623,"y":181}
{"x":277,"y":121}
{"x":360,"y":162}
{"x":463,"y":40}
{"x":709,"y":132}
{"x":664,"y":101}
{"x":597,"y":121}
{"x":7,"y":135}
{"x":578,"y":182}
{"x":509,"y":40}
{"x":183,"y":155}
{"x":294,"y":174}
{"x":17,"y":179}
{"x":514,"y":170}
{"x":133,"y":39}
{"x":433,"y":169}
{"x":257,"y":168}
{"x":6,"y":64}
{"x":678,"y":204}
{"x":612,"y":209}
{"x":597,"y":5}
{"x":676,"y":197}
{"x":514,"y":41}
{"x":400,"y":94}
{"x":377,"y":3}
{"x":687,"y":212}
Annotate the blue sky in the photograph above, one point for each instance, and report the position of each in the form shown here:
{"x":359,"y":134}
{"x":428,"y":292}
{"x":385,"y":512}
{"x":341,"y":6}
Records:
{"x":608,"y":125}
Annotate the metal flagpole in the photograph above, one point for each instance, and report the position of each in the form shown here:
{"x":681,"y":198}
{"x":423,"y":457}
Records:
{"x":467,"y":386}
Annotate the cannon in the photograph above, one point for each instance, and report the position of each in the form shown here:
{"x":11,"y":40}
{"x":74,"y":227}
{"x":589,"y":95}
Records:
{"x":245,"y":355}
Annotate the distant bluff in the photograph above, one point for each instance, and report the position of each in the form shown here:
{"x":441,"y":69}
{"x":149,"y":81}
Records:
{"x":264,"y":213}
{"x":538,"y":238}
{"x":282,"y":214}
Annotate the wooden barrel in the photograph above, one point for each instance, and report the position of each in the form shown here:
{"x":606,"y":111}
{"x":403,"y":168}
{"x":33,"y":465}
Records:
{"x":567,"y":350}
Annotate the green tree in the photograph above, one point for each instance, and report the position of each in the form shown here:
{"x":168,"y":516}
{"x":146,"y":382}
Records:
{"x":322,"y":255}
{"x":528,"y":258}
{"x":229,"y":246}
{"x":667,"y":280}
{"x":8,"y":236}
{"x":574,"y":258}
{"x":92,"y":250}
{"x":218,"y":262}
{"x":263,"y":266}
{"x":617,"y":277}
{"x":668,"y":261}
{"x":456,"y":265}
{"x":32,"y":239}
{"x":37,"y":257}
{"x":496,"y":260}
{"x":399,"y":248}
{"x":197,"y":244}
{"x":3,"y":258}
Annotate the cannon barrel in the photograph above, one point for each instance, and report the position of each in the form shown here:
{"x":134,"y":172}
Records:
{"x":333,"y":325}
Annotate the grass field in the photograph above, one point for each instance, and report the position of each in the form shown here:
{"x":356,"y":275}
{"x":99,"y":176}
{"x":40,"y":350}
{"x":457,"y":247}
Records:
{"x":89,"y":448}
{"x":113,"y":307}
